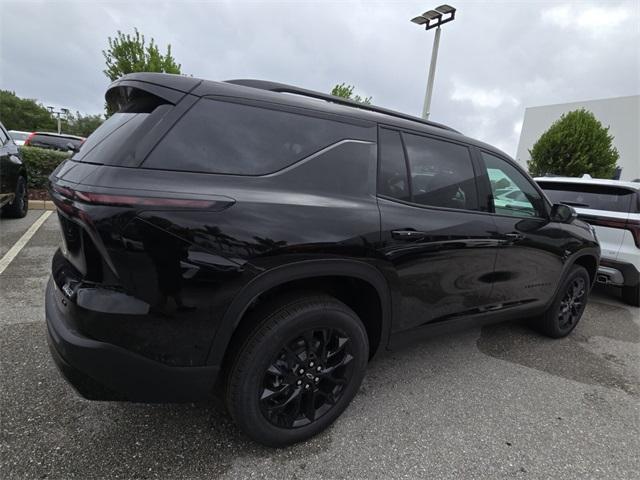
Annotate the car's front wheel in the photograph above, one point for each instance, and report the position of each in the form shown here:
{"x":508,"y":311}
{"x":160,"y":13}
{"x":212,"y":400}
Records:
{"x":20,"y":205}
{"x":568,"y":306}
{"x":297,"y":370}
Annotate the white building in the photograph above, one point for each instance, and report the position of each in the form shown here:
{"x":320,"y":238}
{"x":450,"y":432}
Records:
{"x":621,"y":114}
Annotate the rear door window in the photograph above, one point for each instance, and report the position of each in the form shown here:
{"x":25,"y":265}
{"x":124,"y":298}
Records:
{"x":233,"y":138}
{"x":595,"y":197}
{"x":442,"y":174}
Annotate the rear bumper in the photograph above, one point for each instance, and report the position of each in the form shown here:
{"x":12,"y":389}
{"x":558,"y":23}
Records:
{"x":102,"y":371}
{"x":618,"y":273}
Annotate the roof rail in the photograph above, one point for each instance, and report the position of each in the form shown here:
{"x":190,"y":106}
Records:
{"x":284,"y":88}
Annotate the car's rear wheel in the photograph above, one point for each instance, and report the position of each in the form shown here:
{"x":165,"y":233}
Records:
{"x":297,"y":371}
{"x":631,"y":295}
{"x":568,"y":306}
{"x":20,"y":205}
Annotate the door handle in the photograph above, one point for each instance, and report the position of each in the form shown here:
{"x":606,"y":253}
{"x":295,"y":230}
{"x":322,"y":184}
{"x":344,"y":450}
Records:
{"x":407,"y":234}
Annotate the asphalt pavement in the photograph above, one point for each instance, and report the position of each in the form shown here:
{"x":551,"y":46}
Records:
{"x":494,"y":402}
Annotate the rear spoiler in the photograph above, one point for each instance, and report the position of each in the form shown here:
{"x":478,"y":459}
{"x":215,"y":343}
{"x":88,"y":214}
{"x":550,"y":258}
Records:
{"x":166,"y":87}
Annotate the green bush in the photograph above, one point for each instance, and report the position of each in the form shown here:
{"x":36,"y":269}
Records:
{"x":40,"y":163}
{"x":575,"y":144}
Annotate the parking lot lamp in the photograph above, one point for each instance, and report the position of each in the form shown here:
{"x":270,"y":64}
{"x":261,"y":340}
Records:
{"x":57,"y":113}
{"x":433,"y":19}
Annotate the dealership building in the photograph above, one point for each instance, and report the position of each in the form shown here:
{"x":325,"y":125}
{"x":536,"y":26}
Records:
{"x":620,"y":114}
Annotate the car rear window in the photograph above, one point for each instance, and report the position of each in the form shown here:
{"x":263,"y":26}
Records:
{"x":113,"y":142}
{"x":53,"y":142}
{"x":18,"y":135}
{"x":117,"y":129}
{"x":596,"y":197}
{"x":233,"y":138}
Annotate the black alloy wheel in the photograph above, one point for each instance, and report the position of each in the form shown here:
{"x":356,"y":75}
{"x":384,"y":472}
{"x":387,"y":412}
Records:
{"x":307,"y":378}
{"x":297,"y":369}
{"x":572,"y":303}
{"x":569,"y":304}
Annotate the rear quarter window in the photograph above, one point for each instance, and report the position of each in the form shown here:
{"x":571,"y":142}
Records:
{"x":595,"y":197}
{"x":233,"y":138}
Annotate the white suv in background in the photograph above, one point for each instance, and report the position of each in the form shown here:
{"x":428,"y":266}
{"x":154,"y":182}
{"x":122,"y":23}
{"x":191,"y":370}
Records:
{"x":613,"y":208}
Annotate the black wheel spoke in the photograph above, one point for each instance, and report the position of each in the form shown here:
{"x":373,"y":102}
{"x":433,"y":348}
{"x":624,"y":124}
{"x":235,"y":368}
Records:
{"x":268,"y":394}
{"x":310,"y":407}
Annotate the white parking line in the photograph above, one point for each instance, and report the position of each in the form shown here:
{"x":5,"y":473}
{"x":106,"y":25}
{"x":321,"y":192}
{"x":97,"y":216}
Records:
{"x":22,"y":241}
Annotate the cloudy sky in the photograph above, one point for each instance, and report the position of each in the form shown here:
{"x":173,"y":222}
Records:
{"x":496,"y":58}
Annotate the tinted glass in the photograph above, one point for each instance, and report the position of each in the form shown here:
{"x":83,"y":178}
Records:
{"x":512,"y":193}
{"x":441,"y":173}
{"x":597,"y":197}
{"x":392,"y":180}
{"x":52,"y":142}
{"x":103,"y":144}
{"x":3,"y":137}
{"x":225,"y":137}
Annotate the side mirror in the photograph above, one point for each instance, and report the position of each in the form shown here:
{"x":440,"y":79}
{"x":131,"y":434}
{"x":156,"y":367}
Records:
{"x":563,"y":213}
{"x":71,"y":147}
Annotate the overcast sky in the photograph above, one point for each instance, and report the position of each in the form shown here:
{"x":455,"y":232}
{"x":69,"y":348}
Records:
{"x":495,"y":59}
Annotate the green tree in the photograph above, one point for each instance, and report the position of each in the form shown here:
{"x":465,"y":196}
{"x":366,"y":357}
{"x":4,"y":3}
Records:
{"x":346,"y":91}
{"x":83,"y":125}
{"x":130,"y":53}
{"x":24,"y":114}
{"x":575,"y":144}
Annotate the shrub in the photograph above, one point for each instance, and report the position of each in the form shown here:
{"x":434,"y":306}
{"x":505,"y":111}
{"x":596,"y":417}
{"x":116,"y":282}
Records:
{"x":575,"y":144}
{"x":40,"y":163}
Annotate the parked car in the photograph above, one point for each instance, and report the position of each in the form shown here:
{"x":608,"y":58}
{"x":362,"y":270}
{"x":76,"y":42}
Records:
{"x":54,"y":141}
{"x":19,"y":137}
{"x":14,"y":197}
{"x":265,"y":241}
{"x":613,"y":208}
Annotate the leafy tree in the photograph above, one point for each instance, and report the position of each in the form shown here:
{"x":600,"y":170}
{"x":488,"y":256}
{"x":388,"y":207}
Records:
{"x":130,"y":53}
{"x":575,"y":144}
{"x":83,"y":125}
{"x":24,"y":114}
{"x":346,"y":91}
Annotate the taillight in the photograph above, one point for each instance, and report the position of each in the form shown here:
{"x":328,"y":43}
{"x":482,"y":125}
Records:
{"x":136,"y":201}
{"x":632,"y":225}
{"x":28,"y":139}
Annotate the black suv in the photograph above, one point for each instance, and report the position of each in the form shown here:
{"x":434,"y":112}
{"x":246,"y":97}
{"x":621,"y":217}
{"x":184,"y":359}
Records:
{"x":269,"y":240}
{"x":14,"y":197}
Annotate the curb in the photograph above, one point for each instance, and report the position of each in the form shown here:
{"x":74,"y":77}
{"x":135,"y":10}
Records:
{"x":41,"y":205}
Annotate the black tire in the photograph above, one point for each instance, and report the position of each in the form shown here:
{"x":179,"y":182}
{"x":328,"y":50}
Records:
{"x":285,"y":343}
{"x":631,"y":295}
{"x":19,"y":206}
{"x":568,"y":306}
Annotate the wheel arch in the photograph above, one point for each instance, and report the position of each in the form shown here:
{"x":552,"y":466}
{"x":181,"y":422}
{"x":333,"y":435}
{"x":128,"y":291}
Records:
{"x":304,"y":275}
{"x":588,"y":260}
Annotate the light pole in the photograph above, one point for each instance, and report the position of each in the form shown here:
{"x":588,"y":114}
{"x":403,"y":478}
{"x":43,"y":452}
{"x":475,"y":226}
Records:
{"x":57,"y":113}
{"x":432,"y":19}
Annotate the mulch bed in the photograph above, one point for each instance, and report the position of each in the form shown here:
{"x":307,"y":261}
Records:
{"x":38,"y":194}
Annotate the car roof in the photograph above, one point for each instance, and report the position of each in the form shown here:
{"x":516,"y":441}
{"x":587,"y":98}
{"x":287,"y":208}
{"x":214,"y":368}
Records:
{"x":18,"y":131}
{"x":60,"y":135}
{"x":279,"y":93}
{"x":585,"y":180}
